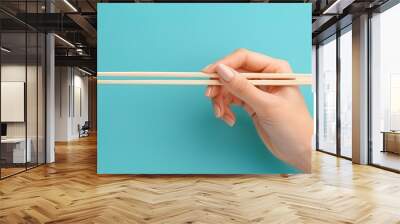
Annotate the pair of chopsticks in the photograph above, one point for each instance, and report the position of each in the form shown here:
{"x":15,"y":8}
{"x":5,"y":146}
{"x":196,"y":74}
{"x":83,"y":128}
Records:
{"x":274,"y":79}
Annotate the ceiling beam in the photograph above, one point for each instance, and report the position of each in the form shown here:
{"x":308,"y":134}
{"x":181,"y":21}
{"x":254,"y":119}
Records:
{"x":86,"y":26}
{"x":337,"y":7}
{"x":81,"y":61}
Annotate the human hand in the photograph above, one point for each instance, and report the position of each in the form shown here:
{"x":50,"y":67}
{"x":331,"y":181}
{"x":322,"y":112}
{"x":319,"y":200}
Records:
{"x":279,"y":113}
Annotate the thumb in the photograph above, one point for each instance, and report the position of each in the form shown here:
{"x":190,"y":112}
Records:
{"x":241,"y":87}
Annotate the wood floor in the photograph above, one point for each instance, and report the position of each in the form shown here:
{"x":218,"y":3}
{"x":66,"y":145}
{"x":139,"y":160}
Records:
{"x":387,"y":159}
{"x":5,"y":172}
{"x":70,"y":191}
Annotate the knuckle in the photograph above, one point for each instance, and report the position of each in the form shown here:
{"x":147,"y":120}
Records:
{"x":241,"y":86}
{"x":241,"y":50}
{"x":284,"y":64}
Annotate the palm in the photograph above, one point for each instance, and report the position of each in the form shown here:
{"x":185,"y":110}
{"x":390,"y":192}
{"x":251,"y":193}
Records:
{"x":227,"y":99}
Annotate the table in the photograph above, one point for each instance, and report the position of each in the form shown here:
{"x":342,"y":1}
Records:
{"x":17,"y":150}
{"x":391,"y":141}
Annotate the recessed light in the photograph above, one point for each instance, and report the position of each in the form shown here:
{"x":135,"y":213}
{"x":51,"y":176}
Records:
{"x":65,"y":41}
{"x":70,"y":5}
{"x":84,"y":71}
{"x":5,"y":50}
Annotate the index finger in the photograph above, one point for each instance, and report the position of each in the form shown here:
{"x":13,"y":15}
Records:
{"x":252,"y":61}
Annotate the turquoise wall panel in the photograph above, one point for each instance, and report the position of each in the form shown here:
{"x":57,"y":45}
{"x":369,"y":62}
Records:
{"x":172,"y":129}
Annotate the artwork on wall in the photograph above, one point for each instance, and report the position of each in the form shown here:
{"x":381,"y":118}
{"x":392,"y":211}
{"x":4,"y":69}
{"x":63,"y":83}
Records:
{"x":171,"y":129}
{"x":12,"y":101}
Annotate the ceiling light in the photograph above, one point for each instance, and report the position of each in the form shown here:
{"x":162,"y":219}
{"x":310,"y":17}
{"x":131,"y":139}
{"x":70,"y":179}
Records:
{"x":337,"y":7}
{"x":79,"y":51}
{"x":70,"y":5}
{"x":333,"y":6}
{"x":65,"y":41}
{"x":84,"y":71}
{"x":5,"y":50}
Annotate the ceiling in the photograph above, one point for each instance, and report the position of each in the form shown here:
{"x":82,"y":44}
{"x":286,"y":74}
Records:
{"x":75,"y":21}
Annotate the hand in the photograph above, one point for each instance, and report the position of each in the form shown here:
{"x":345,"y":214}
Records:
{"x":279,"y":113}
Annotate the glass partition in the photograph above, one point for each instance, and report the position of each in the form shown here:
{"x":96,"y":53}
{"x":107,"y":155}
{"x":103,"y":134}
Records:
{"x":41,"y":107}
{"x":327,"y":95}
{"x":22,"y":63}
{"x":32,"y":95}
{"x":15,"y":150}
{"x":385,"y":89}
{"x":346,"y":93}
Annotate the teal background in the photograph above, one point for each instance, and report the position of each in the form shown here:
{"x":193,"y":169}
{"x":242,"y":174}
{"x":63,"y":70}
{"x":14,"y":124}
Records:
{"x":172,"y":129}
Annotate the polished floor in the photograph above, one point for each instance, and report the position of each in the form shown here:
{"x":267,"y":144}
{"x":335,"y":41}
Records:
{"x":5,"y":172}
{"x":70,"y":191}
{"x":9,"y":171}
{"x":387,"y":159}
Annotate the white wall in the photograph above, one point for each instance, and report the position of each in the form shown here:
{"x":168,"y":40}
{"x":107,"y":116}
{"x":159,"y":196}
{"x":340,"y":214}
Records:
{"x":79,"y":117}
{"x":70,"y":83}
{"x":62,"y":83}
{"x":13,"y":101}
{"x":33,"y":127}
{"x":16,"y":72}
{"x":13,"y":72}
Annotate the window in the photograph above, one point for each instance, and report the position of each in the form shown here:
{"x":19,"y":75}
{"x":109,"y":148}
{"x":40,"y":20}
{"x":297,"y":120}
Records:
{"x":385,"y":89}
{"x":346,"y":95}
{"x":327,"y":96}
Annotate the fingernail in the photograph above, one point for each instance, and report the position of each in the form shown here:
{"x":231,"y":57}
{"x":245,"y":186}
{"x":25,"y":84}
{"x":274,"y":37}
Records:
{"x":217,"y":111}
{"x":229,"y":120}
{"x":208,"y":91}
{"x":225,"y":72}
{"x":207,"y":67}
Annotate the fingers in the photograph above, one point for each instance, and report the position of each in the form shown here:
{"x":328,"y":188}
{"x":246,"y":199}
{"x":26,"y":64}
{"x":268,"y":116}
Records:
{"x":222,"y":110}
{"x":241,"y":87}
{"x":229,"y":117}
{"x":221,"y":101}
{"x":248,"y":95}
{"x":251,"y":61}
{"x":219,"y":108}
{"x":212,"y":91}
{"x":246,"y":107}
{"x":222,"y":106}
{"x":224,"y":101}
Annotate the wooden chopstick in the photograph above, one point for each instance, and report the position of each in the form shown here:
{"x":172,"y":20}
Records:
{"x":199,"y":75}
{"x":303,"y":81}
{"x":275,"y":79}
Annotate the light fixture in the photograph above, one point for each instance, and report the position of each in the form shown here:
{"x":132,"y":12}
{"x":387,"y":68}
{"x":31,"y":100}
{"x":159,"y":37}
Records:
{"x":70,"y":5}
{"x":84,"y":71}
{"x":337,"y":7}
{"x":5,"y":50}
{"x":79,"y":51}
{"x":65,"y":41}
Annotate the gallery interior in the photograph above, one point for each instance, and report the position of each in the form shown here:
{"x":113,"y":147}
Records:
{"x":49,"y":123}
